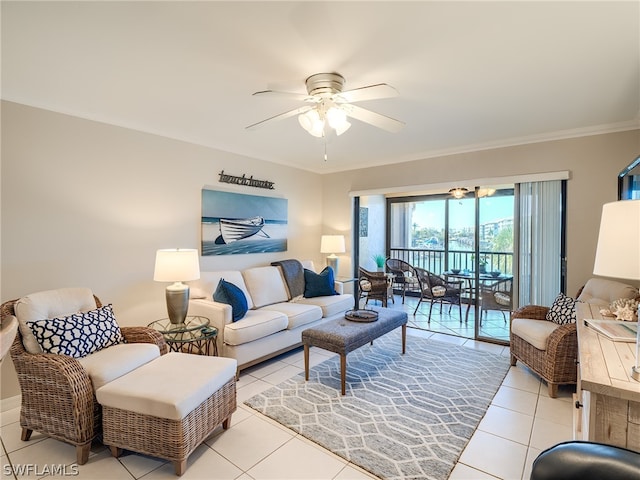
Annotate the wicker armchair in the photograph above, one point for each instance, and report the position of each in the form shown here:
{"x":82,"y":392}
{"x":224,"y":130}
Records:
{"x":437,"y":289}
{"x":404,"y":276}
{"x":375,"y":286}
{"x":58,"y":399}
{"x":555,"y":354}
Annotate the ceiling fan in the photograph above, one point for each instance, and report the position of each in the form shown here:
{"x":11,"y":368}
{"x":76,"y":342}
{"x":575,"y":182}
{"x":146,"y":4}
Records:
{"x":328,"y":105}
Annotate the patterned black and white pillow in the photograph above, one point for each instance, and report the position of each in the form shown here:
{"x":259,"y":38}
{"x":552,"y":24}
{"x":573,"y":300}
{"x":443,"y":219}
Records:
{"x":563,"y":310}
{"x":79,"y":334}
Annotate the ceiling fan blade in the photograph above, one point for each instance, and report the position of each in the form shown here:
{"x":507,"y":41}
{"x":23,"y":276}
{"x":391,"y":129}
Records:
{"x":280,"y":116}
{"x":303,"y":97}
{"x":377,"y":120}
{"x":371,"y":92}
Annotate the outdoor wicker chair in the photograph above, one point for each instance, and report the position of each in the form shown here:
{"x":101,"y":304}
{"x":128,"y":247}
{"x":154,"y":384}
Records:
{"x":404,"y":276}
{"x":375,"y":286}
{"x":58,"y":396}
{"x":497,"y":296}
{"x":437,"y":289}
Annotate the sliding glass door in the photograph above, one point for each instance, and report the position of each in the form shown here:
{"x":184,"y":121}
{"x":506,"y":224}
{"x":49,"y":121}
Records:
{"x":468,"y":240}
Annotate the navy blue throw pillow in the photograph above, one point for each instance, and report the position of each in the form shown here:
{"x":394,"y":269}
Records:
{"x":319,"y":284}
{"x":227,"y":292}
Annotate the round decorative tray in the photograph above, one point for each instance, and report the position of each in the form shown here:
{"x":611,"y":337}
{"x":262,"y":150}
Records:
{"x":361,"y":315}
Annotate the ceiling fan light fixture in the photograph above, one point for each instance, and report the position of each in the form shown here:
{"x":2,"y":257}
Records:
{"x":486,"y":192}
{"x":337,"y":119}
{"x":458,"y":192}
{"x":312,"y":122}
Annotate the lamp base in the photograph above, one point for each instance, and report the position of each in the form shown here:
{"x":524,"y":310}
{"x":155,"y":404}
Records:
{"x":635,"y":374}
{"x":177,"y":302}
{"x":332,"y":261}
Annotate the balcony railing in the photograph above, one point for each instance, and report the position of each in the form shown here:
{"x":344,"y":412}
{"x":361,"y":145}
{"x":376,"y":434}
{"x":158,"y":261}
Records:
{"x":438,"y":261}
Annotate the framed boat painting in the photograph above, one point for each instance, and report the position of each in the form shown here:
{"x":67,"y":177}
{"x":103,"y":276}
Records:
{"x":235,"y":223}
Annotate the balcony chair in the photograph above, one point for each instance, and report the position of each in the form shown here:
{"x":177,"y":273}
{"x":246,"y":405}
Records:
{"x":437,"y":289}
{"x":550,"y":349}
{"x":404,"y":276}
{"x":58,"y":390}
{"x":580,"y":460}
{"x":375,"y":286}
{"x":497,"y":296}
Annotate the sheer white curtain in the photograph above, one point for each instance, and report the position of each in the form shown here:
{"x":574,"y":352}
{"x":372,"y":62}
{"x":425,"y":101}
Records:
{"x":540,"y":241}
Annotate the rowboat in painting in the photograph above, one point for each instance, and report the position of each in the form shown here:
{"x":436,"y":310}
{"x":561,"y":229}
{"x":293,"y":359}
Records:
{"x":232,"y":230}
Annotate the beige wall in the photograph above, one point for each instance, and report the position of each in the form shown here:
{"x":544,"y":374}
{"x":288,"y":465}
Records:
{"x":87,"y":204}
{"x":593,"y":162}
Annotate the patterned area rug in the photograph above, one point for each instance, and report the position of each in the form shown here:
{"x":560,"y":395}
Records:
{"x":404,"y":416}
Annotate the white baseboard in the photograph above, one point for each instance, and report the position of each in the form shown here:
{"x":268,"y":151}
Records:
{"x":10,"y":403}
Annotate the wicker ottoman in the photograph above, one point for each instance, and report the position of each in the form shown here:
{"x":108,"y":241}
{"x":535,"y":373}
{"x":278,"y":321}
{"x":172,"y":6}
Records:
{"x":343,"y":336}
{"x":167,"y":407}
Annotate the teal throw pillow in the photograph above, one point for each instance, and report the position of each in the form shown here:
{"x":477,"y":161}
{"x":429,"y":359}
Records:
{"x":227,"y":292}
{"x":319,"y":284}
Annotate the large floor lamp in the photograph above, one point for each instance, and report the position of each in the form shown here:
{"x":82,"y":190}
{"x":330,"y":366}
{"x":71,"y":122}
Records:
{"x":618,"y":253}
{"x":177,"y":265}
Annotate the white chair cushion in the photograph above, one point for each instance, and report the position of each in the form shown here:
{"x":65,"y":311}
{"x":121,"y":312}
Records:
{"x":50,"y":304}
{"x":208,"y":282}
{"x":255,"y":324}
{"x":331,"y":304}
{"x":601,"y":291}
{"x":534,"y":332}
{"x":266,"y":285}
{"x":170,"y":386}
{"x":110,"y":363}
{"x":298,"y":314}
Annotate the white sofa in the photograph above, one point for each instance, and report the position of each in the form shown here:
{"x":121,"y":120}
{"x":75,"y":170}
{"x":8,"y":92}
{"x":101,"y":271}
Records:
{"x":274,"y":321}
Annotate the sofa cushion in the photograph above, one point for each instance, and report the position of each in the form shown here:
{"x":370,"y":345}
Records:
{"x":50,"y":304}
{"x":602,"y":291}
{"x":332,"y":304}
{"x":208,"y":282}
{"x":319,"y":284}
{"x":298,"y":314}
{"x":534,"y":332}
{"x":228,"y":293}
{"x":79,"y":334}
{"x":266,"y":285}
{"x":113,"y":362}
{"x":563,"y":310}
{"x":256,"y":324}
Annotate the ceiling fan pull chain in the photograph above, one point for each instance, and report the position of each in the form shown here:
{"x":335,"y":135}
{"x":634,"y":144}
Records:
{"x":325,"y":149}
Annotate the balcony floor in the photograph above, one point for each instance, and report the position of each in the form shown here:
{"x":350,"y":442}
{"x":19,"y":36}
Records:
{"x":494,"y":326}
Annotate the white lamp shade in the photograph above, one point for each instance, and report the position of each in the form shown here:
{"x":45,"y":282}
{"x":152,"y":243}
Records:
{"x":618,"y":252}
{"x":177,"y":265}
{"x":332,"y":244}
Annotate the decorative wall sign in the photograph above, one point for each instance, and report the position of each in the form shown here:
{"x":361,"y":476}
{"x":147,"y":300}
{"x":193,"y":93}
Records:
{"x":235,"y":223}
{"x":244,"y":180}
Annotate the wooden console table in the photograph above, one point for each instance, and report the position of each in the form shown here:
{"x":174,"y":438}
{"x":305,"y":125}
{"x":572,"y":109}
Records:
{"x":607,"y":398}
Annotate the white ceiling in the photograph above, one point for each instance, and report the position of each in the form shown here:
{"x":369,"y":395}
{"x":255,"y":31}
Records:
{"x":471,"y":75}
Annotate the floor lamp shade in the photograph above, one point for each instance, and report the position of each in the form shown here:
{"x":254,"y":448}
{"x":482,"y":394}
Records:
{"x":177,"y":265}
{"x":618,"y":252}
{"x":332,"y":244}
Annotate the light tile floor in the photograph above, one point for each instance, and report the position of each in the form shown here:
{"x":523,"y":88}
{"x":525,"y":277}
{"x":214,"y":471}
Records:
{"x":521,"y":421}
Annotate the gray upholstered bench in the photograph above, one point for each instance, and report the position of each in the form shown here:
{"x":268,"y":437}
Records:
{"x":342,"y":336}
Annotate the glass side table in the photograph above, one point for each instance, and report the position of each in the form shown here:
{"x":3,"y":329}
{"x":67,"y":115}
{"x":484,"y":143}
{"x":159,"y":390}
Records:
{"x":195,"y":335}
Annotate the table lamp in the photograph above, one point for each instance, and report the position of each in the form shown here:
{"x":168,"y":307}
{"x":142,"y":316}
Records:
{"x":332,"y":244}
{"x":618,"y":252}
{"x":177,"y":265}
